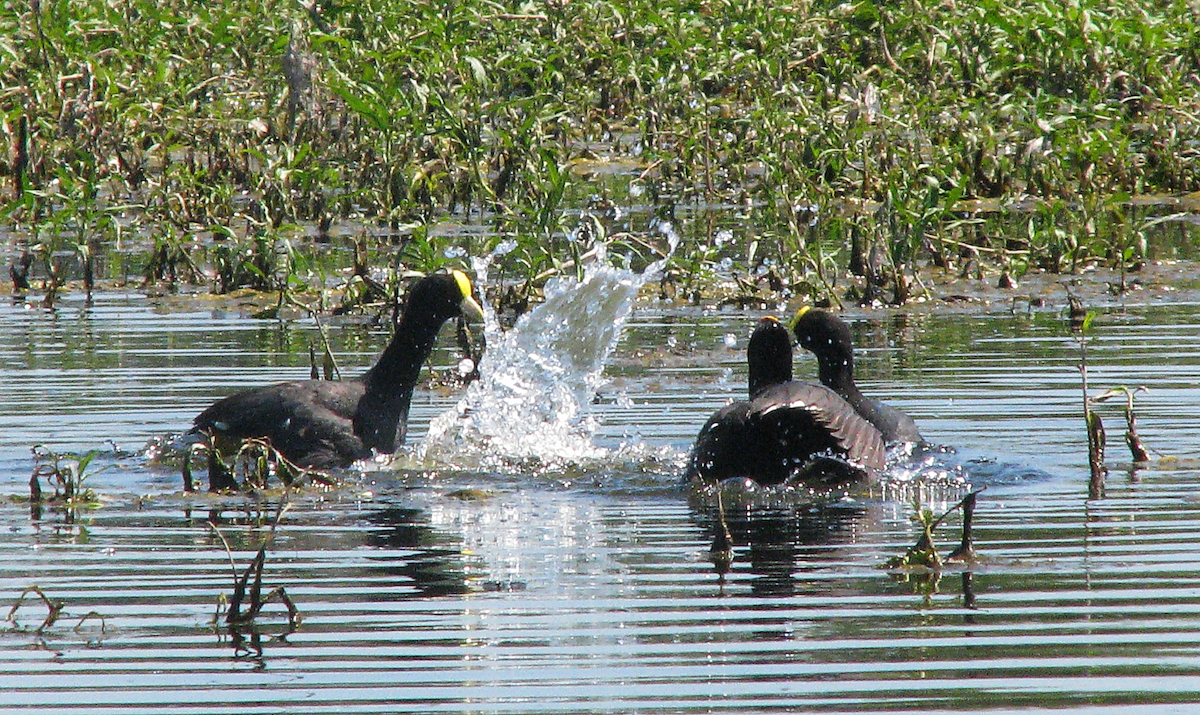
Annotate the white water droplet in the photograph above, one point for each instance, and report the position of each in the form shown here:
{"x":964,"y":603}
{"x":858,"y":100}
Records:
{"x":532,"y":401}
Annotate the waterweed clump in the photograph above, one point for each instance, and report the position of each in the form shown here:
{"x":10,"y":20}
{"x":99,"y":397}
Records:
{"x":67,"y":476}
{"x":923,"y":556}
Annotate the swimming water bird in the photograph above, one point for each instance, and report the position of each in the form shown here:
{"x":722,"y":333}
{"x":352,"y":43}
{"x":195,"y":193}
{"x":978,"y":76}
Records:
{"x":787,"y":429}
{"x":828,"y":337}
{"x":325,"y":424}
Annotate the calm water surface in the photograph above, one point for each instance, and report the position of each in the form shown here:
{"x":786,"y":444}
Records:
{"x":588,"y":588}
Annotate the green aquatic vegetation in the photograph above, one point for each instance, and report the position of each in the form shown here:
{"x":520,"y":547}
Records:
{"x":923,"y":556}
{"x":67,"y":475}
{"x":162,"y":122}
{"x":171,"y":260}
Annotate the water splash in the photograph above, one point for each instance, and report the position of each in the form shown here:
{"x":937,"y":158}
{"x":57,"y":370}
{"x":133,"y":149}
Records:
{"x":530,"y":409}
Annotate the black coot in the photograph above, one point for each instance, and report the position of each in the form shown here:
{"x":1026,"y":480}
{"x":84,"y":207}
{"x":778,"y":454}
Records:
{"x":787,"y":429}
{"x":828,"y":337}
{"x":326,"y":424}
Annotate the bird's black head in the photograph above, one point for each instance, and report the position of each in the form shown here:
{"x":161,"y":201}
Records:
{"x":441,"y":296}
{"x":828,"y":337}
{"x":769,"y":355}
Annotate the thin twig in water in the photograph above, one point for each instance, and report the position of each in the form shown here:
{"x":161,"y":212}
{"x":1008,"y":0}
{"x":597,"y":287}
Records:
{"x":235,"y":615}
{"x":721,"y":552}
{"x":54,"y":608}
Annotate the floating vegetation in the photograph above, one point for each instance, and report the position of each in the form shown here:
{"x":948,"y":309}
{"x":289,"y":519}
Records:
{"x":470,"y":494}
{"x":67,"y":476}
{"x":923,"y":556}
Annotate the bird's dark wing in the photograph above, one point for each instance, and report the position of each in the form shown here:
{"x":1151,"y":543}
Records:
{"x":308,"y":422}
{"x":861,"y":442}
{"x":722,"y":448}
{"x":790,"y":429}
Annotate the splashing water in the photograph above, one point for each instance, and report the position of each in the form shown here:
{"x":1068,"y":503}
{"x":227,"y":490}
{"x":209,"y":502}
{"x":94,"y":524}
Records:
{"x":530,"y":407}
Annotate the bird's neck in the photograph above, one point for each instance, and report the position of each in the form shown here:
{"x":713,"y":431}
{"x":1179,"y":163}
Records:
{"x":837,"y":373}
{"x":382,"y":414}
{"x":763,"y":376}
{"x":397,"y":370}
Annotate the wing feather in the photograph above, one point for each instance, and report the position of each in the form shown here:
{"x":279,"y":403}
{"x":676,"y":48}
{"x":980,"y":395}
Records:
{"x":789,"y":429}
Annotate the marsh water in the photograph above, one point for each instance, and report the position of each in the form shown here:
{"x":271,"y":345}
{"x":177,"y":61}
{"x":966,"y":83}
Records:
{"x":572,"y":573}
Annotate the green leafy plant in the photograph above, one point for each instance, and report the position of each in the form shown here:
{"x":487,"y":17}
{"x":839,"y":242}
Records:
{"x":67,"y":476}
{"x":189,"y":135}
{"x":924,"y":555}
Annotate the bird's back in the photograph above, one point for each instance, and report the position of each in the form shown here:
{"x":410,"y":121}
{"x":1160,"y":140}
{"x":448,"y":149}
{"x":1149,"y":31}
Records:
{"x":309,"y":422}
{"x":895,"y":425}
{"x":782,"y":431}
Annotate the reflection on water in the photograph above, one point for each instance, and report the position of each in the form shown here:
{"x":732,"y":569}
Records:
{"x":589,"y":588}
{"x":429,"y":561}
{"x":776,"y":543}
